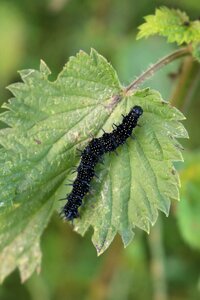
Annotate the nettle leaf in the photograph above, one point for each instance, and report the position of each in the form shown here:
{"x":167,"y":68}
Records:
{"x":47,"y":122}
{"x":171,"y":23}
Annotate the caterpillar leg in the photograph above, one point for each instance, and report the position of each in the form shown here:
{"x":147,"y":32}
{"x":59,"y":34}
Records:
{"x":114,"y":126}
{"x":62,"y":199}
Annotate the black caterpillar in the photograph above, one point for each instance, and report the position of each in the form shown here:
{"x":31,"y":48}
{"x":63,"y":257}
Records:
{"x":91,"y":155}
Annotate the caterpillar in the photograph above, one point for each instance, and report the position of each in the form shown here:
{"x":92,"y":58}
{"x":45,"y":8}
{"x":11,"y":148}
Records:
{"x":91,"y":155}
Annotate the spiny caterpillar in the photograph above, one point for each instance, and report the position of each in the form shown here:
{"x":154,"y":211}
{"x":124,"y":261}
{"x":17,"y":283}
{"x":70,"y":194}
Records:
{"x":91,"y":155}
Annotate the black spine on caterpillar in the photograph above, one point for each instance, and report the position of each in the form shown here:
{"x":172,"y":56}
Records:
{"x":91,"y":155}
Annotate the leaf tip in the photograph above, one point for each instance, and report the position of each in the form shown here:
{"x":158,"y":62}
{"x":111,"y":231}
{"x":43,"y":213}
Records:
{"x":44,"y":69}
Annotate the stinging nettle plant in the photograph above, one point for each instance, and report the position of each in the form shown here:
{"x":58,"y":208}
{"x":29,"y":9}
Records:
{"x":47,"y":121}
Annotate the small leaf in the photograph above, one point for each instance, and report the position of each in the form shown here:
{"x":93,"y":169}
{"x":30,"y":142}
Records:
{"x":171,"y":23}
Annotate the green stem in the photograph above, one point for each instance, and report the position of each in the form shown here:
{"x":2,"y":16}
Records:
{"x":186,"y":85}
{"x":157,"y":66}
{"x":157,"y":266}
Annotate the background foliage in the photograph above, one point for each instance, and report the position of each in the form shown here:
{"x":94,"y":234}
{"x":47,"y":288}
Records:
{"x":54,"y":30}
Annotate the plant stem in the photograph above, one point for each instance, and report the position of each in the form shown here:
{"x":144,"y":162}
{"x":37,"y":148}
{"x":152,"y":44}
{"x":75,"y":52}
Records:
{"x":100,"y":285}
{"x":186,"y":85}
{"x":158,"y":65}
{"x":157,"y":266}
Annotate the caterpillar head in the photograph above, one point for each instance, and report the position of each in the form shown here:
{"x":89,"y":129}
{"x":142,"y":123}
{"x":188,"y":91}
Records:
{"x":137,"y":110}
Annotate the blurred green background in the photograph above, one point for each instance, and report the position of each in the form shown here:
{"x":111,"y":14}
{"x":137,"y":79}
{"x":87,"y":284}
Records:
{"x":165,"y":264}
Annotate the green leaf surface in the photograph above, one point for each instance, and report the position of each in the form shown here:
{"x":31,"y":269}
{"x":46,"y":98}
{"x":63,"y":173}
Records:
{"x":141,"y":179}
{"x":47,"y":122}
{"x":171,"y":23}
{"x":188,"y":209}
